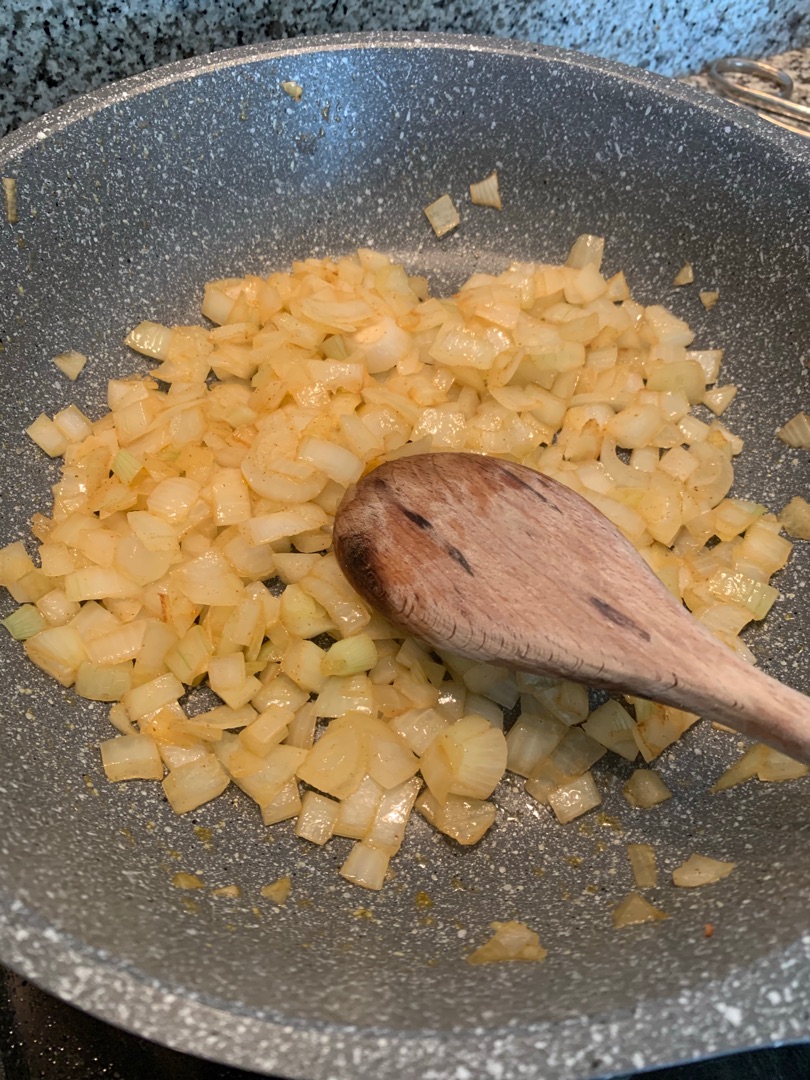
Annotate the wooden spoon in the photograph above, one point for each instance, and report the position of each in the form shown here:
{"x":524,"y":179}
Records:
{"x":499,"y":563}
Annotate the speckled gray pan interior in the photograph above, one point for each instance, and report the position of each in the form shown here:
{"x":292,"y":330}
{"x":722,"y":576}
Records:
{"x":128,"y":201}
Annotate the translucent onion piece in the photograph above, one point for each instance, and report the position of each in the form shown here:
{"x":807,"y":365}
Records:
{"x":486,"y":192}
{"x":658,"y":726}
{"x":645,"y":788}
{"x":575,"y":798}
{"x":337,"y":762}
{"x":612,"y":726}
{"x":350,"y":657}
{"x":150,"y":339}
{"x":586,"y":250}
{"x":292,"y":89}
{"x":131,"y":757}
{"x":774,"y":766}
{"x":709,"y":298}
{"x":24,"y":622}
{"x":187,"y":881}
{"x":316,"y":818}
{"x":796,"y":432}
{"x":642,"y":861}
{"x":567,"y":701}
{"x":10,"y":196}
{"x":278,"y":891}
{"x":71,"y":363}
{"x":461,"y":818}
{"x":283,"y":806}
{"x":227,"y":892}
{"x":700,"y":870}
{"x":47,"y":436}
{"x":189,"y":786}
{"x":419,"y":727}
{"x":685,"y":275}
{"x":719,"y":399}
{"x":795,"y":518}
{"x":635,"y":910}
{"x":531,"y":740}
{"x":388,"y":827}
{"x":442,"y":215}
{"x":366,"y":865}
{"x":108,"y":683}
{"x":764,"y":763}
{"x":277,"y":769}
{"x":59,"y":651}
{"x":357,"y":812}
{"x":511,"y":941}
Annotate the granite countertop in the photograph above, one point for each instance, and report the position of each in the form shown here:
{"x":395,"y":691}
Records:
{"x":51,"y":50}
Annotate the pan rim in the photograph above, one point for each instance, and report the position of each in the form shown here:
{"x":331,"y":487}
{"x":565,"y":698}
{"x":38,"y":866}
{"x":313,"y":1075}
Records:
{"x":83,"y":977}
{"x":84,"y":105}
{"x":719,"y":1020}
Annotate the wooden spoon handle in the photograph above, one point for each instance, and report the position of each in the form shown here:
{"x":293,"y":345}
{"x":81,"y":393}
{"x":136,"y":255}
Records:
{"x":717,"y":685}
{"x":499,"y":563}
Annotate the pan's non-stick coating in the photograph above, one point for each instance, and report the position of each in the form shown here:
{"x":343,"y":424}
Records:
{"x":128,"y":202}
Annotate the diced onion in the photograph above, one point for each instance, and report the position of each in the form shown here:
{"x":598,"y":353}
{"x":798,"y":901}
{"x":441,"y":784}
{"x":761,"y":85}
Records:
{"x":709,"y":297}
{"x":189,"y":786}
{"x":47,"y":436}
{"x":175,"y":510}
{"x":642,"y":861}
{"x":71,"y":363}
{"x":388,"y":827}
{"x":442,"y":215}
{"x":795,"y":518}
{"x":278,"y":891}
{"x":511,"y":941}
{"x":366,"y":865}
{"x":284,"y":805}
{"x":358,"y":811}
{"x":700,"y":870}
{"x":464,"y":819}
{"x":796,"y":432}
{"x":575,"y":798}
{"x":131,"y":757}
{"x":227,"y":892}
{"x":350,"y":657}
{"x":486,"y":192}
{"x":150,"y":339}
{"x":645,"y":788}
{"x":763,"y":762}
{"x":316,"y":818}
{"x":635,"y":910}
{"x":10,"y":196}
{"x":586,"y":250}
{"x":24,"y":622}
{"x":182,"y":880}
{"x":719,"y":399}
{"x":612,"y":726}
{"x":685,"y":275}
{"x":59,"y":651}
{"x":530,"y":741}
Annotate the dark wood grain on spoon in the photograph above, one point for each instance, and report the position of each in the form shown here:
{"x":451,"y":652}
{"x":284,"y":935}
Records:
{"x":499,"y":563}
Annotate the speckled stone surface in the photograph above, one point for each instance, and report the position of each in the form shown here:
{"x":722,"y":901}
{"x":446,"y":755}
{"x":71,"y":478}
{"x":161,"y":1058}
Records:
{"x":128,"y":203}
{"x":51,"y":51}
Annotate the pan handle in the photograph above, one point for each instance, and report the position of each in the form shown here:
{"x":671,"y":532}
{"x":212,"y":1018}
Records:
{"x":780,"y":102}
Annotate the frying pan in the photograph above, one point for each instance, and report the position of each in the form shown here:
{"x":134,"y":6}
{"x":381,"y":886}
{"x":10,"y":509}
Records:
{"x":129,"y":199}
